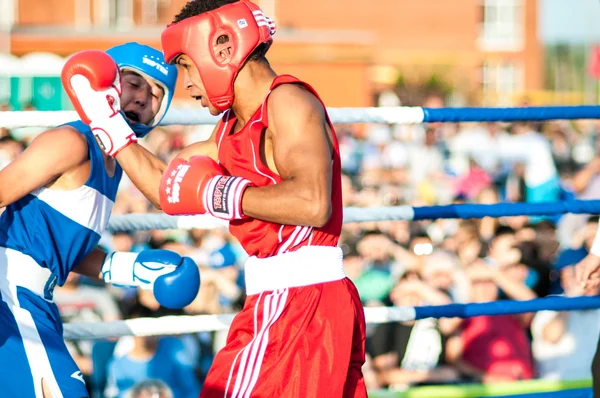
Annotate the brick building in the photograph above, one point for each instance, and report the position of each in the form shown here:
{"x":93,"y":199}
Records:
{"x":348,"y":49}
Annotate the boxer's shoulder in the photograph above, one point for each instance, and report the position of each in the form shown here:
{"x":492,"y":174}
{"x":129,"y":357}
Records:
{"x":293,"y":93}
{"x":205,"y":148}
{"x":292,"y":102}
{"x":58,"y":141}
{"x":65,"y":132}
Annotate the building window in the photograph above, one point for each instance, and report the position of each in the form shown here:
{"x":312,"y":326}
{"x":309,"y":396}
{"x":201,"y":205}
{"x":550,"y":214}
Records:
{"x":113,"y":13}
{"x":154,"y":12}
{"x":501,"y":25}
{"x":121,"y":13}
{"x":501,"y":83}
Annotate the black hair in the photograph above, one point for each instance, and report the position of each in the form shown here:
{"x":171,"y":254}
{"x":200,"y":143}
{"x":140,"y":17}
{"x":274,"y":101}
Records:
{"x":544,"y":226}
{"x":420,"y":234}
{"x":370,"y":232}
{"x":197,"y":7}
{"x":134,"y":308}
{"x":503,"y":230}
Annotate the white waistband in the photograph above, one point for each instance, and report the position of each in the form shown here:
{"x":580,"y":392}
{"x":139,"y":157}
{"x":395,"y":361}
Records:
{"x":22,"y":270}
{"x":308,"y":265}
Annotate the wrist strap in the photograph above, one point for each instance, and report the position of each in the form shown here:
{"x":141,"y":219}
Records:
{"x":118,"y":268}
{"x":113,"y":133}
{"x":224,"y":197}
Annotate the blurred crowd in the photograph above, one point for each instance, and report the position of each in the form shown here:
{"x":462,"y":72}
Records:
{"x":392,"y":263}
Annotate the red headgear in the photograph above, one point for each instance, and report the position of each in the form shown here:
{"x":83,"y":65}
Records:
{"x":245,"y":25}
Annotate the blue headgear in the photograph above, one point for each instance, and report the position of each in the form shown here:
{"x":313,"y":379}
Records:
{"x":149,"y":63}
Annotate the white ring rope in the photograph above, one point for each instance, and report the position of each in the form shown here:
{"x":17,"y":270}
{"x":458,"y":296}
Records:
{"x":396,"y":115}
{"x":408,"y":115}
{"x":185,"y":324}
{"x":173,"y":325}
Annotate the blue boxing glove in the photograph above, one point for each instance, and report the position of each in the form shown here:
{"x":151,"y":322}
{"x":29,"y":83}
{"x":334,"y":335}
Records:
{"x":173,"y":279}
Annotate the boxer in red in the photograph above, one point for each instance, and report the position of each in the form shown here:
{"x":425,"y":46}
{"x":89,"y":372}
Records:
{"x":272,"y":169}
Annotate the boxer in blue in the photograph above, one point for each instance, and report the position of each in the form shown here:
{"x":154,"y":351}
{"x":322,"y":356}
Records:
{"x":58,"y":196}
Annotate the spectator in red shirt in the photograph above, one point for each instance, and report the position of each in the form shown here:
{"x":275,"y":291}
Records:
{"x":493,"y":348}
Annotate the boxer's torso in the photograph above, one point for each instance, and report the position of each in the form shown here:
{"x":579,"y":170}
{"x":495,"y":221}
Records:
{"x":241,"y":154}
{"x":58,"y":228}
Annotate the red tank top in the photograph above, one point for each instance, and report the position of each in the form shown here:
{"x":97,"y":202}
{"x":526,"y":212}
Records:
{"x":239,"y":155}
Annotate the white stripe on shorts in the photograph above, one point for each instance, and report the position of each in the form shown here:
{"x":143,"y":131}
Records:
{"x":253,"y":354}
{"x":263,"y":344}
{"x":243,"y":349}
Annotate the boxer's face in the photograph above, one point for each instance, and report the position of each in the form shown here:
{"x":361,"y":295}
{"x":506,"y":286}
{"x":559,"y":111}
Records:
{"x":193,"y":83}
{"x":140,"y":97}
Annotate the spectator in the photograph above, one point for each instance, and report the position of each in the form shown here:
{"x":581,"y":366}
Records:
{"x":466,"y":242}
{"x":151,"y":388}
{"x":502,"y":251}
{"x":163,"y":358}
{"x":562,"y":340}
{"x":530,"y":148}
{"x":579,"y":244}
{"x":493,"y":348}
{"x":10,"y":148}
{"x":562,"y":146}
{"x":488,"y":225}
{"x":411,"y":353}
{"x":375,"y":280}
{"x":441,"y":271}
{"x":473,"y":182}
{"x":426,"y":172}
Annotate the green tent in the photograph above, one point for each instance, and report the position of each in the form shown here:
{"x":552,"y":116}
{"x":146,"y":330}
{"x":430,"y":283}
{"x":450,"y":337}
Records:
{"x":33,"y":80}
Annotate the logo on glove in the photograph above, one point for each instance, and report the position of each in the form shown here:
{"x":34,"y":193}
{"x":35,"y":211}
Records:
{"x":220,"y":195}
{"x":173,"y":182}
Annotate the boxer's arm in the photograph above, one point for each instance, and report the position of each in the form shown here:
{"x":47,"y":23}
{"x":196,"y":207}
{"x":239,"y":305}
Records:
{"x":206,"y":148}
{"x":91,"y":265}
{"x":174,"y":280}
{"x":303,"y":158}
{"x":145,"y":169}
{"x":49,"y":155}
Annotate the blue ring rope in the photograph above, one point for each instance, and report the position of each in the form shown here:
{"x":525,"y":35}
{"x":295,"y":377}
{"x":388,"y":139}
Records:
{"x":505,"y":307}
{"x":144,"y":221}
{"x":507,"y":209}
{"x":511,"y":114}
{"x":571,"y":393}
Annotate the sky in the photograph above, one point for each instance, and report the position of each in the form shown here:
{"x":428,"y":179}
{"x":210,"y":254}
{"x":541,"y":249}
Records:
{"x":575,"y":21}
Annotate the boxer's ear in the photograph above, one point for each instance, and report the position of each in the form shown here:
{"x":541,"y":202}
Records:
{"x":223,"y":48}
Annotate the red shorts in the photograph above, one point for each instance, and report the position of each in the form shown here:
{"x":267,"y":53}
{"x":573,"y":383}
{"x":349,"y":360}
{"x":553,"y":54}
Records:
{"x":297,"y":342}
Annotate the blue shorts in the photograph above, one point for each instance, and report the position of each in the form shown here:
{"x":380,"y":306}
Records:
{"x":32,"y":347}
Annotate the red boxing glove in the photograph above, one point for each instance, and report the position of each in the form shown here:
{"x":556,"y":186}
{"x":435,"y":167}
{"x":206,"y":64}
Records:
{"x":92,"y":81}
{"x":199,"y":187}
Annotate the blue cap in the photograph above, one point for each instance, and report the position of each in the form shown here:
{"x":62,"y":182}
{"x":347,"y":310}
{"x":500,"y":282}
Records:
{"x":222,"y":257}
{"x":149,"y":63}
{"x":570,"y":257}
